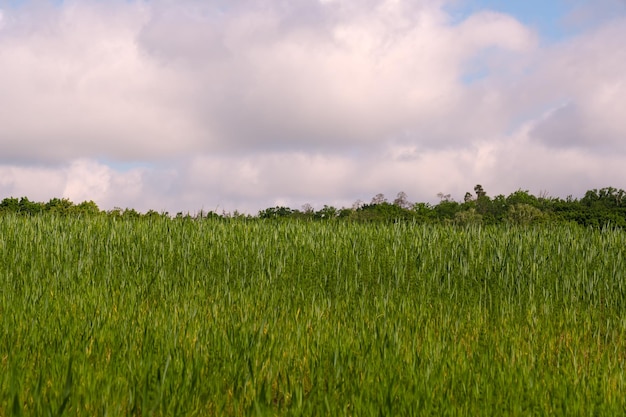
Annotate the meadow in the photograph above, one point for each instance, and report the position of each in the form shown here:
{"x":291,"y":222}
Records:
{"x":199,"y":317}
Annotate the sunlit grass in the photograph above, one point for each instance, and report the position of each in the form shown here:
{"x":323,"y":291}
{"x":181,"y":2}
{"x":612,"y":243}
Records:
{"x":157,"y":316}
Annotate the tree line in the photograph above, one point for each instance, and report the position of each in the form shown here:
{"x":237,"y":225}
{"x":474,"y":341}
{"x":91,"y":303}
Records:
{"x":597,"y":208}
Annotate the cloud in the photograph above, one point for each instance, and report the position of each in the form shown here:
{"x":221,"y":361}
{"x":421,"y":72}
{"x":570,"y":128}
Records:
{"x":588,"y":73}
{"x":246,"y":104}
{"x":74,"y":84}
{"x":350,"y":80}
{"x":590,"y":14}
{"x":137,"y":80}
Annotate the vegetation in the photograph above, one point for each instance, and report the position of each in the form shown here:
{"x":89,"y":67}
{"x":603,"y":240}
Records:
{"x":128,"y":314}
{"x":598,"y":208}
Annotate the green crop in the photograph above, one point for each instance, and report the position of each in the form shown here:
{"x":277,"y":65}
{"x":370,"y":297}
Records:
{"x":194,"y":317}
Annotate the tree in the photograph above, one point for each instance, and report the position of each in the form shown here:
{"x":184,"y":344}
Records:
{"x":480,"y":192}
{"x":345,"y":213}
{"x":483,"y":203}
{"x":30,"y":207}
{"x":154,"y":214}
{"x":88,"y":208}
{"x":607,"y":197}
{"x":307,"y":209}
{"x":379,"y":199}
{"x":523,"y":213}
{"x":115,"y":213}
{"x":357,"y":204}
{"x":275,"y":212}
{"x":10,"y":204}
{"x":466,"y":217}
{"x":328,"y":212}
{"x":383,"y":212}
{"x":521,"y":197}
{"x":130,"y":213}
{"x":446,"y":209}
{"x":402,"y":200}
{"x":58,"y":205}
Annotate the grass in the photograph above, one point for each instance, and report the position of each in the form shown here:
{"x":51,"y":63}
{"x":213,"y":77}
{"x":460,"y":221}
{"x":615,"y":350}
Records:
{"x":156,"y":316}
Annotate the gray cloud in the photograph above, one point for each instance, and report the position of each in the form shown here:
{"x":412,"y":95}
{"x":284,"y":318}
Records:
{"x":588,"y":74}
{"x":562,"y":128}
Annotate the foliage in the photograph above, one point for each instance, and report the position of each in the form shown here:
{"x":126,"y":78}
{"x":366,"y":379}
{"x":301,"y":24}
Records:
{"x":275,"y":212}
{"x":598,"y":208}
{"x":524,"y":214}
{"x":468,"y":217}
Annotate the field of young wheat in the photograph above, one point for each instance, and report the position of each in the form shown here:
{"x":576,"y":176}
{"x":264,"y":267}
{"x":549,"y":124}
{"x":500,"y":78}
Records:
{"x":190,"y":317}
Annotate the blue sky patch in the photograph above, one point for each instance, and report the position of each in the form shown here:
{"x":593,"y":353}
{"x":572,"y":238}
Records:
{"x":545,"y":16}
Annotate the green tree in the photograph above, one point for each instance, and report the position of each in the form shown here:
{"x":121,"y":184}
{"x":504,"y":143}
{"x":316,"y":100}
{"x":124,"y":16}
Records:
{"x":447,"y":209}
{"x":480,"y":192}
{"x":524,"y":214}
{"x":327,"y":213}
{"x":29,"y":207}
{"x":467,"y":217}
{"x":483,"y":203}
{"x":423,"y":211}
{"x":275,"y":212}
{"x":522,"y":197}
{"x":59,"y":205}
{"x":87,"y":208}
{"x":10,"y":205}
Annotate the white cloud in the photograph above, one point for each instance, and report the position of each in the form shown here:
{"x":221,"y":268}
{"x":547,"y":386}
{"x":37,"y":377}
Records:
{"x":79,"y":87}
{"x":140,"y":81}
{"x":87,"y":180}
{"x":247,"y":104}
{"x":36,"y":183}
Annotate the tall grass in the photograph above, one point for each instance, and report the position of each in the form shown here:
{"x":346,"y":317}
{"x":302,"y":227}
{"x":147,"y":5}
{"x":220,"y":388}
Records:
{"x":156,"y":316}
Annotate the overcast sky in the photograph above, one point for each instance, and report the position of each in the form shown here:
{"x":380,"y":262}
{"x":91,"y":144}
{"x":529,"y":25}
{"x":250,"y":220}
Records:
{"x":230,"y":105}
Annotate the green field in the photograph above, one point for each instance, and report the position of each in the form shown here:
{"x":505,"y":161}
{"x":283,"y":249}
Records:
{"x":160,"y":316}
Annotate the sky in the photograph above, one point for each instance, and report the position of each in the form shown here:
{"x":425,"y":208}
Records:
{"x":241,"y":105}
